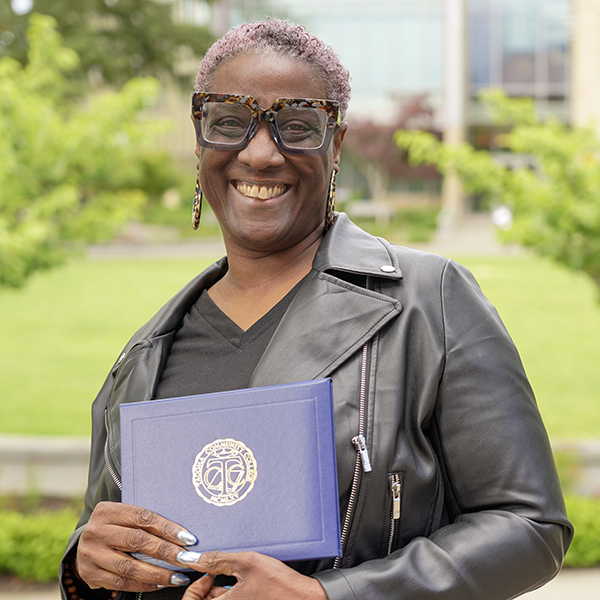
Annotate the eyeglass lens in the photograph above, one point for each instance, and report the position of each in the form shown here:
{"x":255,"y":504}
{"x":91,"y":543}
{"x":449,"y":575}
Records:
{"x":298,"y":127}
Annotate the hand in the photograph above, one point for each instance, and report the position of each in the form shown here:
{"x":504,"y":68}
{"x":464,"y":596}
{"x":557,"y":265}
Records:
{"x":113,"y":531}
{"x":258,"y":576}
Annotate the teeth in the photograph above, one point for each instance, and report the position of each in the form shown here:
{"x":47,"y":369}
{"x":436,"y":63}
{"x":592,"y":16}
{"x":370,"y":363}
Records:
{"x":263,"y":192}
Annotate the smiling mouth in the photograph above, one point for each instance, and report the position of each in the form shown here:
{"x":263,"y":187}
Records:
{"x":262,"y":192}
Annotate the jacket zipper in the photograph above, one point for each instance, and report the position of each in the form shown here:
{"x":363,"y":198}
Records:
{"x":396,"y":488}
{"x":107,"y":458}
{"x":362,"y":455}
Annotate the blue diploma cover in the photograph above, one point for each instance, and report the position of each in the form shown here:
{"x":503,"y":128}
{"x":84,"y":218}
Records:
{"x":250,"y":469}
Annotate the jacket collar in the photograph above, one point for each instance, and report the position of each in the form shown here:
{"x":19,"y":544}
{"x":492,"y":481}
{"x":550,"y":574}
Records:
{"x":346,"y":247}
{"x":330,"y":319}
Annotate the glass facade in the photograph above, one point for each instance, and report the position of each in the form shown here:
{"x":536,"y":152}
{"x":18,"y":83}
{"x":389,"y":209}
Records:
{"x":392,"y":48}
{"x":521,"y":46}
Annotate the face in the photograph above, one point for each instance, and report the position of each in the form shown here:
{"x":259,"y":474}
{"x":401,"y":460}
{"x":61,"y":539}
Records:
{"x":266,"y":200}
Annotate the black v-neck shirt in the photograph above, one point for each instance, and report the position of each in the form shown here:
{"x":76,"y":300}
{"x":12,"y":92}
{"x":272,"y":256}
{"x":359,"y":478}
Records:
{"x":211,"y":353}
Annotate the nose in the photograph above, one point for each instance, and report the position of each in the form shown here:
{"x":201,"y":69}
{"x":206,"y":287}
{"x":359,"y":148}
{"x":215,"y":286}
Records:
{"x":262,"y":151}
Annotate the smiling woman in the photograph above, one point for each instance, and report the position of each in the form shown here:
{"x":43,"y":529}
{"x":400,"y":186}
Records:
{"x":447,"y":485}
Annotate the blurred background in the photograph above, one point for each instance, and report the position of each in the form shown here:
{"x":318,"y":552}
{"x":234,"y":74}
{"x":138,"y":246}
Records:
{"x":474,"y":133}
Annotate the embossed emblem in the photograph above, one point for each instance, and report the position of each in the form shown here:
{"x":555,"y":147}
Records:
{"x":224,"y":472}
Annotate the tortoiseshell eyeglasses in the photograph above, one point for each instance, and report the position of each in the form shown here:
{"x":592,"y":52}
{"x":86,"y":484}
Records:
{"x":298,"y":126}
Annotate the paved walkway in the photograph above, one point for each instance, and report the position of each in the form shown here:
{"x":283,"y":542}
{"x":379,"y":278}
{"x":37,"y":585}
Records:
{"x":474,"y":235}
{"x":570,"y":584}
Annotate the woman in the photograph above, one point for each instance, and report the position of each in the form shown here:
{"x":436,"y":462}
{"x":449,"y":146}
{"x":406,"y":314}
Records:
{"x":461,"y":498}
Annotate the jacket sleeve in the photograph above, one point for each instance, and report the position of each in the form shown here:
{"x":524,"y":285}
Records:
{"x":99,"y":485}
{"x":512,"y":531}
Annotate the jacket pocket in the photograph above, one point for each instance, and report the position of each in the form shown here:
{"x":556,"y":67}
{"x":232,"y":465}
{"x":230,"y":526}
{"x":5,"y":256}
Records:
{"x":395,"y":488}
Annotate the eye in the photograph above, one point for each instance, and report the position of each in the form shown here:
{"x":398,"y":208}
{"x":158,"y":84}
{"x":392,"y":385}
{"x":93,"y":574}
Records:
{"x":229,"y":123}
{"x":297,"y":126}
{"x":302,"y":126}
{"x":225,"y":123}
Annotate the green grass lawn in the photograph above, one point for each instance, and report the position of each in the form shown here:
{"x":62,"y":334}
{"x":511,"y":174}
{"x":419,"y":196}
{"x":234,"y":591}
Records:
{"x":61,"y":334}
{"x":553,"y":315}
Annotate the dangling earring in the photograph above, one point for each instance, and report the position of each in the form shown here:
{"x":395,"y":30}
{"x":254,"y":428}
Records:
{"x":329,"y":210}
{"x":197,"y":207}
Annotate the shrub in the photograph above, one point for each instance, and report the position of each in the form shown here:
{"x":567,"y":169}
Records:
{"x":585,"y":516}
{"x":32,"y":545}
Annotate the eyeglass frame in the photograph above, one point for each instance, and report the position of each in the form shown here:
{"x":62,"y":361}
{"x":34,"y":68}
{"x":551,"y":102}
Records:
{"x":269,"y":115}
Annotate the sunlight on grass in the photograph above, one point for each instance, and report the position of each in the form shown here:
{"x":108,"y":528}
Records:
{"x":553,"y":316}
{"x":62,"y":333}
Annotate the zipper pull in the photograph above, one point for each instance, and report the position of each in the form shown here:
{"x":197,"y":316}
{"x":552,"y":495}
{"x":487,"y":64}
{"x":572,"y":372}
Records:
{"x":361,"y":447}
{"x":396,"y":491}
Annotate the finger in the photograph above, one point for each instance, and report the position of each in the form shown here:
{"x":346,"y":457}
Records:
{"x":117,"y":545}
{"x":111,"y":569}
{"x":216,"y":592}
{"x":200,"y":588}
{"x":134,"y":517}
{"x":223,"y":563}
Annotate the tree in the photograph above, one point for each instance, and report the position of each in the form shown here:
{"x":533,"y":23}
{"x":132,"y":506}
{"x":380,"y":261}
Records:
{"x":69,"y":172}
{"x":374,"y":153}
{"x":555,"y":203}
{"x":115,"y":39}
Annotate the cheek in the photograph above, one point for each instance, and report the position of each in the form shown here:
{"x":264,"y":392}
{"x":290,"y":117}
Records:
{"x":210,"y":171}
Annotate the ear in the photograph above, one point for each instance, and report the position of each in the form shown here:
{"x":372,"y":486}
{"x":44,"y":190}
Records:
{"x":337,"y":144}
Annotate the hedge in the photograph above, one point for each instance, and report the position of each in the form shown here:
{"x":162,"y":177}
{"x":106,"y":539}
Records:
{"x":584,"y":513}
{"x":31,"y":545}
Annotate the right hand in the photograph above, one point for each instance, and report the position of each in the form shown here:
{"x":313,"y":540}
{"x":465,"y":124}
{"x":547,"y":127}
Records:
{"x":115,"y":530}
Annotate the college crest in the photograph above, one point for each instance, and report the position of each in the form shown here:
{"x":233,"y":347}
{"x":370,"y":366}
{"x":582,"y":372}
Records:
{"x":224,"y":472}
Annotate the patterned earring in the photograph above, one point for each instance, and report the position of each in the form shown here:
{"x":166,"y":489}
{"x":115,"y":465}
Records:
{"x":329,"y":214}
{"x":197,"y":208}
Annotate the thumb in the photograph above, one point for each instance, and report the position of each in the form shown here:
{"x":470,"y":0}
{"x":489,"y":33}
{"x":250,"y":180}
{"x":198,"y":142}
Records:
{"x":200,"y":588}
{"x":216,"y":563}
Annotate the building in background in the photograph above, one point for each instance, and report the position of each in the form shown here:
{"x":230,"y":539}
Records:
{"x":523,"y":47}
{"x":396,"y":49}
{"x":585,"y":63}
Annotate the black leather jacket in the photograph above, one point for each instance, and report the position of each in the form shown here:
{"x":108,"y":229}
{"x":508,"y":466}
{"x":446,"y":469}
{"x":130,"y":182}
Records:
{"x":463,"y":499}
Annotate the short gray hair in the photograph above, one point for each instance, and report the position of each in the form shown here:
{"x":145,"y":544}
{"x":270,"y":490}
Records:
{"x":286,"y":38}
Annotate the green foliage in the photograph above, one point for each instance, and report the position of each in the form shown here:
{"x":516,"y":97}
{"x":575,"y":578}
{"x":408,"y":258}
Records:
{"x":32,"y":545}
{"x":406,"y":226}
{"x":116,"y":40}
{"x":584,"y":513}
{"x":69,"y":172}
{"x":555,"y":204}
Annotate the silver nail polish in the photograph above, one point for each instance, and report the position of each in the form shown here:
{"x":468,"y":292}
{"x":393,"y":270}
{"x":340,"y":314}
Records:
{"x":189,"y":557}
{"x":180,"y":579}
{"x":187,"y":538}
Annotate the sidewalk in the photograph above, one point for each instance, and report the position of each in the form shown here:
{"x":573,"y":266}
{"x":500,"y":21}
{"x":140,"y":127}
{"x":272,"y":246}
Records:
{"x":570,"y":584}
{"x":474,"y":235}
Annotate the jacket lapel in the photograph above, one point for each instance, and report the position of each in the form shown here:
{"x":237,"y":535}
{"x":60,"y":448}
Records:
{"x":330,"y":319}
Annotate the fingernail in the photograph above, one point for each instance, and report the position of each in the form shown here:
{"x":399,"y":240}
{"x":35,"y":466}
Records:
{"x":187,"y":538}
{"x":180,"y":580}
{"x":189,"y":557}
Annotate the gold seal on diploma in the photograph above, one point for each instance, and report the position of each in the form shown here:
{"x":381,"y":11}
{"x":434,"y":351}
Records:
{"x":224,"y":472}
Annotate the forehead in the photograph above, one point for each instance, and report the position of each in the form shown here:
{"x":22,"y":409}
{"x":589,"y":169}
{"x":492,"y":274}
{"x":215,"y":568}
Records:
{"x":267,"y":76}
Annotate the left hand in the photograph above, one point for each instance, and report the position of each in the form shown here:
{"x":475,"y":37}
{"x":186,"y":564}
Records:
{"x":258,"y":576}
